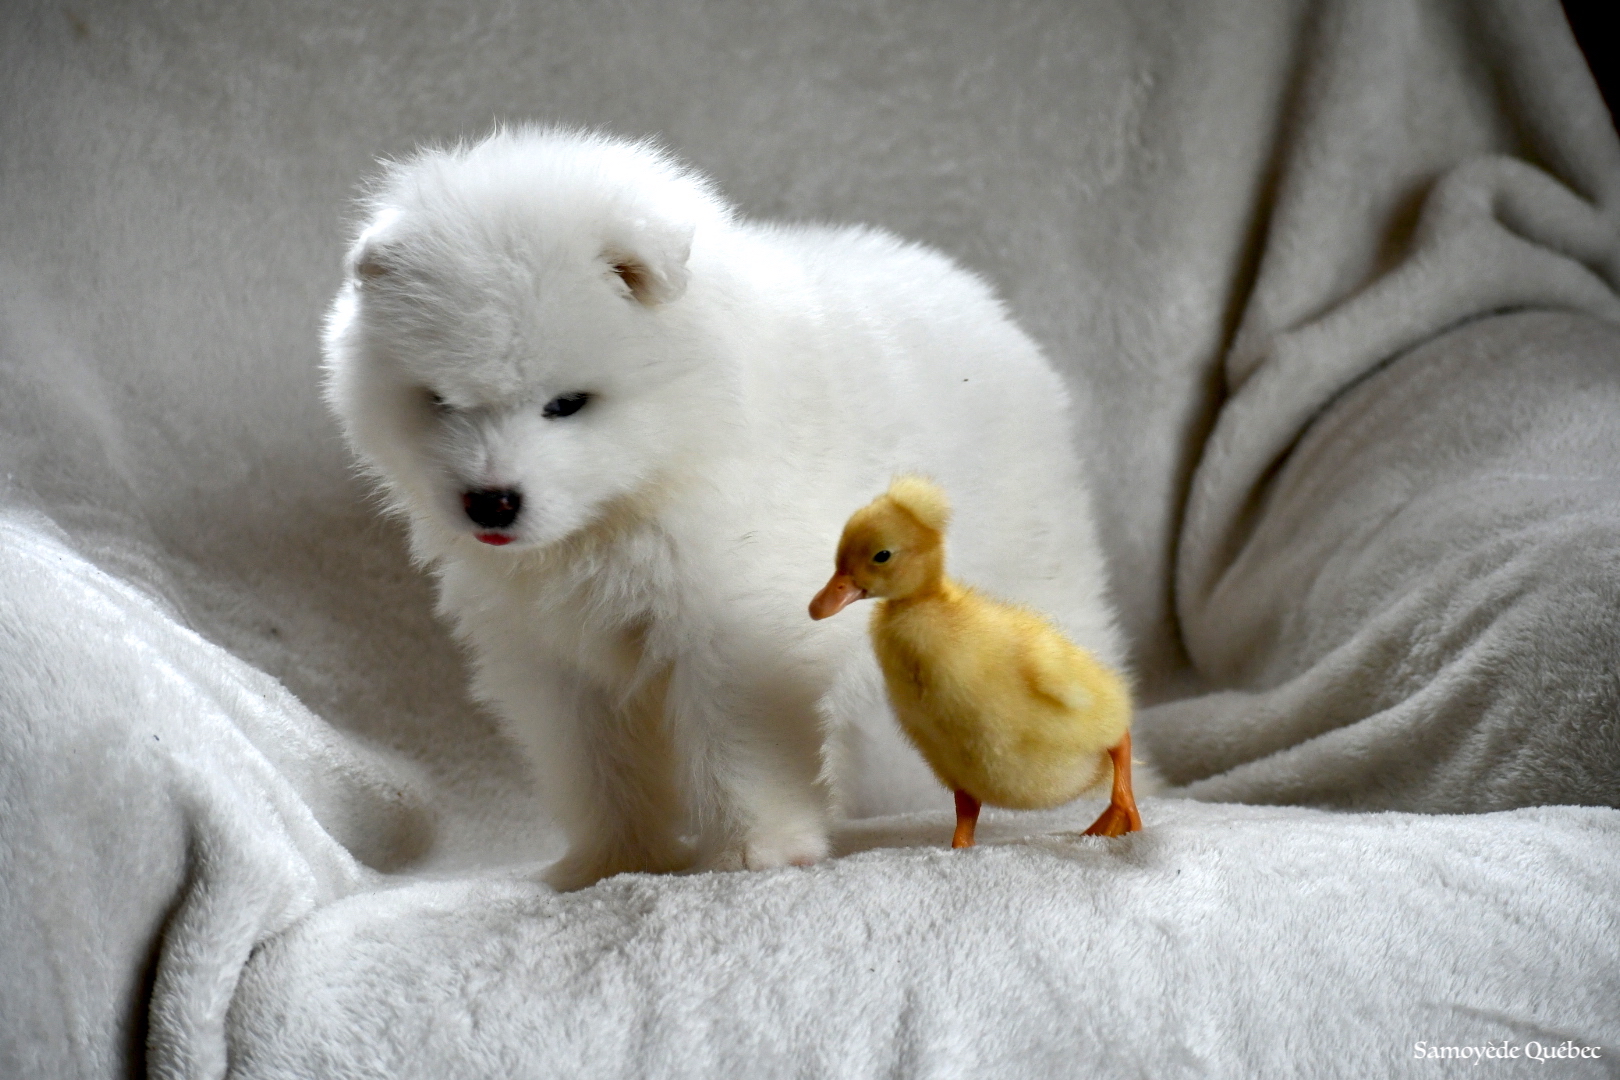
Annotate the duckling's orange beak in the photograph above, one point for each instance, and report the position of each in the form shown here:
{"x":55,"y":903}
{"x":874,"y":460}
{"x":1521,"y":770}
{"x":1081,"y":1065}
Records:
{"x":835,"y":596}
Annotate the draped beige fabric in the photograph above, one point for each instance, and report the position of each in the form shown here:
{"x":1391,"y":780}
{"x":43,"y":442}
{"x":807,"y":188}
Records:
{"x":1335,"y":285}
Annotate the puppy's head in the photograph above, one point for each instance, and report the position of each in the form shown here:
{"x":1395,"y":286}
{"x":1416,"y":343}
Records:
{"x":510,"y":353}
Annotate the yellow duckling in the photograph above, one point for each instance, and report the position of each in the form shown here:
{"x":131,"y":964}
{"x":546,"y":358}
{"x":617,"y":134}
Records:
{"x":1004,"y":708}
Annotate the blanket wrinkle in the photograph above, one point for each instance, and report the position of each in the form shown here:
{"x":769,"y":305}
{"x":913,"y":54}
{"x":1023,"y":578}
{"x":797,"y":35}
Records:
{"x":1465,"y":264}
{"x":1391,"y":120}
{"x":1333,"y":285}
{"x":969,"y":965}
{"x":235,"y":898}
{"x":1494,"y":134}
{"x":1415,"y":624}
{"x":248,"y":774}
{"x":1493,"y":233}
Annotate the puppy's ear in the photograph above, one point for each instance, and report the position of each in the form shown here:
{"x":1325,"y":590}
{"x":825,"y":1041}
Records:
{"x":369,"y":259}
{"x":367,"y":265}
{"x":652,"y":261}
{"x":638,"y":277}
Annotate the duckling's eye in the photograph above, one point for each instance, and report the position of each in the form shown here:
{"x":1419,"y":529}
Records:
{"x":882,"y":556}
{"x":565,"y":405}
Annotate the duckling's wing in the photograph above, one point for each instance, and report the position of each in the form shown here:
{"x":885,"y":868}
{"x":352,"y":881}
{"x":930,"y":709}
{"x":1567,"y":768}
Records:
{"x":1057,"y":669}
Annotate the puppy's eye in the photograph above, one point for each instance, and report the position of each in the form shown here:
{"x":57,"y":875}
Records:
{"x":439,"y":404}
{"x":882,"y":556}
{"x":565,"y":405}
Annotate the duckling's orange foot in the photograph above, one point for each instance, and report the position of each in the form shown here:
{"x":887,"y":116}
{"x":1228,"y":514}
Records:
{"x":1115,"y":821}
{"x":1121,"y":817}
{"x":967,"y":819}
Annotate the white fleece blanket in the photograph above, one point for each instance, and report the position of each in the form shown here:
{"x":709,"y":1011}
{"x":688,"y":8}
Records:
{"x":1335,"y":282}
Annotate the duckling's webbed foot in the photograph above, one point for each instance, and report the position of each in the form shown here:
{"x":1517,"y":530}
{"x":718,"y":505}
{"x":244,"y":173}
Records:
{"x":967,"y":819}
{"x":1114,"y":821}
{"x":1121,"y":816}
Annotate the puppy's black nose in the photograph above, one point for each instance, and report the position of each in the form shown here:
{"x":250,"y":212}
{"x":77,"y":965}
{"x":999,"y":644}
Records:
{"x":493,"y":508}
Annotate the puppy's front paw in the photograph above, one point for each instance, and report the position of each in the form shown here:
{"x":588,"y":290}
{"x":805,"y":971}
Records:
{"x":766,"y":849}
{"x":579,"y":869}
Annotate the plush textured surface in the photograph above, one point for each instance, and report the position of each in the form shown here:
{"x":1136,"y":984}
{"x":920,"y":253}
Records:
{"x":1336,"y":285}
{"x":1160,"y":954}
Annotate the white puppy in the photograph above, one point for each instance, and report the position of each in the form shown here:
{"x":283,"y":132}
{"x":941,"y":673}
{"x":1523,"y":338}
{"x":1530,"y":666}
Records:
{"x":627,"y":427}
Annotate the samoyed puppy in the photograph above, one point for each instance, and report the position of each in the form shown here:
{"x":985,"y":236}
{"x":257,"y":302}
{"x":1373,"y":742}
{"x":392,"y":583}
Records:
{"x":626,"y":427}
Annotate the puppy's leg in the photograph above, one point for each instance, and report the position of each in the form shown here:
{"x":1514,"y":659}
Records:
{"x":753,"y":757}
{"x":605,"y":771}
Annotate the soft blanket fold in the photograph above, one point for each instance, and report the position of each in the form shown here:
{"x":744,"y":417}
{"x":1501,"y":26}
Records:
{"x":1406,"y":205}
{"x":1335,"y":286}
{"x":1048,"y":956}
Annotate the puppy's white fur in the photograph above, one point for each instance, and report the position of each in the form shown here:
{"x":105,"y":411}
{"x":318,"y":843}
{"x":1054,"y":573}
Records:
{"x":645,"y":635}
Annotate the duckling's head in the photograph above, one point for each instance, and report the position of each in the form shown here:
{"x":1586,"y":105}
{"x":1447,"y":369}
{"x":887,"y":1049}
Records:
{"x":892,"y":547}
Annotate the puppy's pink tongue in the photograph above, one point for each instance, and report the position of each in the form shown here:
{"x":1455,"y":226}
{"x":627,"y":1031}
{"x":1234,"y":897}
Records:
{"x":492,"y":538}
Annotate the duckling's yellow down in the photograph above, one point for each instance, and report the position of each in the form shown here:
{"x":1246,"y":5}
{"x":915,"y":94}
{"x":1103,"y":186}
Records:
{"x":996,"y":699}
{"x":1001,"y":705}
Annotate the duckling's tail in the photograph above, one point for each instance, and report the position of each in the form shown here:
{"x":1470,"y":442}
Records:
{"x":1145,"y":779}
